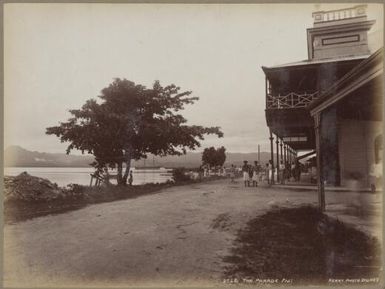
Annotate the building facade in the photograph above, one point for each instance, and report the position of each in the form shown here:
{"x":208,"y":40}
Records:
{"x":331,"y":103}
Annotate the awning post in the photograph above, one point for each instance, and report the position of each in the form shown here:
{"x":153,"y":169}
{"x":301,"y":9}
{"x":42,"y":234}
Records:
{"x":277,"y":143}
{"x":272,"y":157}
{"x":320,"y":177}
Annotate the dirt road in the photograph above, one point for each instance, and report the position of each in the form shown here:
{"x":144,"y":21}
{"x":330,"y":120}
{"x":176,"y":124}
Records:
{"x":175,"y":238}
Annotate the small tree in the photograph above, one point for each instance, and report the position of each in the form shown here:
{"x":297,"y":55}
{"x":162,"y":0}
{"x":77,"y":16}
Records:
{"x":214,"y":157}
{"x":130,"y":122}
{"x":221,"y":156}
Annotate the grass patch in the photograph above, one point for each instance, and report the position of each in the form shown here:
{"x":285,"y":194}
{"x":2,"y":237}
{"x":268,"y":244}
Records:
{"x":304,"y":245}
{"x":75,"y":197}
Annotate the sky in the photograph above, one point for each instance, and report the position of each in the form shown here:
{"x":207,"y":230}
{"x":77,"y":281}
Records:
{"x":57,"y":56}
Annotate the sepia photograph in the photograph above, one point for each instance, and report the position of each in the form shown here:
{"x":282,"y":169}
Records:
{"x":193,"y":145}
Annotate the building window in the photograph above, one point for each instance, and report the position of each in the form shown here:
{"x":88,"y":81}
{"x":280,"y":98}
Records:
{"x":341,"y":40}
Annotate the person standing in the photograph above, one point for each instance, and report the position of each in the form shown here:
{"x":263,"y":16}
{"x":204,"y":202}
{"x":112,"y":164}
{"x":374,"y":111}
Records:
{"x":281,"y":172}
{"x":296,"y":171}
{"x":271,"y":172}
{"x":267,"y":173}
{"x":130,"y":178}
{"x":255,"y":177}
{"x":232,"y":173}
{"x":292,"y":171}
{"x":200,"y":173}
{"x":245,"y":171}
{"x":313,"y":174}
{"x":287,"y":171}
{"x":251,"y":171}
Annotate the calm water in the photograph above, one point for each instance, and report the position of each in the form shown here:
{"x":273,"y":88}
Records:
{"x":81,"y":176}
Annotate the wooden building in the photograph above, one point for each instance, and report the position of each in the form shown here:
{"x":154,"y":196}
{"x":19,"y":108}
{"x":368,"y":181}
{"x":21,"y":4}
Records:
{"x":348,"y":120}
{"x":332,"y":102}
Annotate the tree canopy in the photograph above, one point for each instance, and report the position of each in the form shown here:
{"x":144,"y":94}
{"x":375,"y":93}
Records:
{"x":214,"y":157}
{"x":129,"y":122}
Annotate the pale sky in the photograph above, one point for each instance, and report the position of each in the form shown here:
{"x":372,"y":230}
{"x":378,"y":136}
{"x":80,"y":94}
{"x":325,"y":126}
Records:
{"x":56,"y":56}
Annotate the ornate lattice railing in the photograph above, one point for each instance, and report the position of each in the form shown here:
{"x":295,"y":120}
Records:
{"x":339,"y":14}
{"x":291,"y":100}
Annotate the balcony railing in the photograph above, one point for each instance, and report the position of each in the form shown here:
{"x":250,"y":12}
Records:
{"x":339,"y":14}
{"x":291,"y":100}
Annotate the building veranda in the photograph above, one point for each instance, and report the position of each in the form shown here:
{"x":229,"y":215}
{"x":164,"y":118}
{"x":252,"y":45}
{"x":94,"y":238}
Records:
{"x":331,"y":104}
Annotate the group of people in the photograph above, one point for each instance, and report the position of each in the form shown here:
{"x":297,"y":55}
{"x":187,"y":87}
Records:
{"x":207,"y":170}
{"x":251,"y":173}
{"x":255,"y":173}
{"x":287,"y":171}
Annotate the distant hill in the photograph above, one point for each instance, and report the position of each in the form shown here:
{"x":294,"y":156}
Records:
{"x":193,"y":159}
{"x":16,"y":156}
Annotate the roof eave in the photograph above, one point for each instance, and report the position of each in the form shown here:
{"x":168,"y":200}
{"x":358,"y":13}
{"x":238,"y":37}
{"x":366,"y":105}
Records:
{"x":377,"y":56}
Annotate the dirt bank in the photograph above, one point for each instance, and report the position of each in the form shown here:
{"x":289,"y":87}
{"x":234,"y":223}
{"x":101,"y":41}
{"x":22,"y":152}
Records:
{"x":27,"y":197}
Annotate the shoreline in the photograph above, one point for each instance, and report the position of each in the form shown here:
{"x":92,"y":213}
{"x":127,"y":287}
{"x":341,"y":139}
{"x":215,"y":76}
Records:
{"x":82,"y":196}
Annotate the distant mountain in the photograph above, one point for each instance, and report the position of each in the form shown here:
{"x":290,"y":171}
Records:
{"x":191,"y":160}
{"x":16,"y":156}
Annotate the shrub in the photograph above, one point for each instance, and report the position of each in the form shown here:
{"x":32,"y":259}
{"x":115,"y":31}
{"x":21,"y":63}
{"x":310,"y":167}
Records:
{"x":74,"y":191}
{"x":179,"y":175}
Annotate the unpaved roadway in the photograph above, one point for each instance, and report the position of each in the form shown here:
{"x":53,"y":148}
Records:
{"x":177,"y":237}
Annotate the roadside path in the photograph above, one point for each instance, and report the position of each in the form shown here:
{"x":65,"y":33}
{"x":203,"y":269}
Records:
{"x":177,"y":237}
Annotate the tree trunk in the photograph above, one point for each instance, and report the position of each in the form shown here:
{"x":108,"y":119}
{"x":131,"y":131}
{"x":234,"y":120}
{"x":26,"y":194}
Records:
{"x":119,"y":177}
{"x":127,"y":157}
{"x":106,"y":177}
{"x":127,"y":171}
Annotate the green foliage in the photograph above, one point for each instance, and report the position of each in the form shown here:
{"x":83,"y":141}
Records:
{"x":214,"y":157}
{"x":129,"y":122}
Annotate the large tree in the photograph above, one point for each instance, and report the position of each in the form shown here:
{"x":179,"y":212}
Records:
{"x":130,"y":121}
{"x":214,"y":157}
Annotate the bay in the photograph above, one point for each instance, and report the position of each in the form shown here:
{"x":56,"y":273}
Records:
{"x":64,"y":176}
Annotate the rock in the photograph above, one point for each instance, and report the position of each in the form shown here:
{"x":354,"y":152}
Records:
{"x":25,"y":187}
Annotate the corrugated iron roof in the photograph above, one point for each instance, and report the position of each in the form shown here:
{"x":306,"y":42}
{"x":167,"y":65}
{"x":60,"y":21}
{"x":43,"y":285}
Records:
{"x":318,"y":61}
